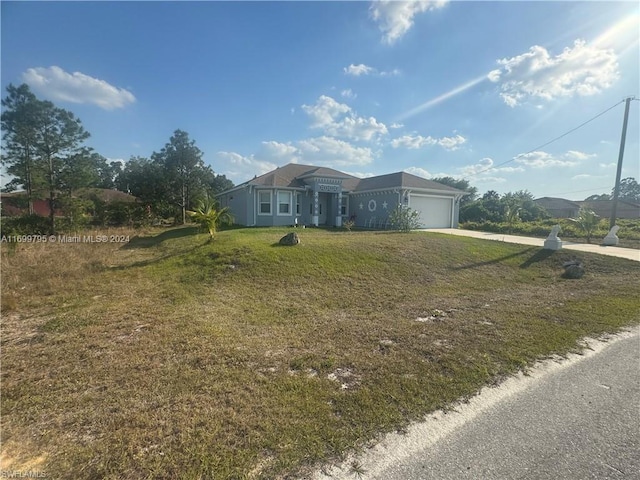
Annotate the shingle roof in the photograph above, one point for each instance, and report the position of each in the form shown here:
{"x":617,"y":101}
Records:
{"x":292,"y":176}
{"x":402,"y":180}
{"x":556,"y":202}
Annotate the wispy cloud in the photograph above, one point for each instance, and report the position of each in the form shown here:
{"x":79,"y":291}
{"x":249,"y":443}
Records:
{"x":539,"y":159}
{"x":348,"y":93}
{"x":414,"y":142}
{"x":581,"y":70}
{"x":362,"y":69}
{"x":395,"y":18}
{"x":56,"y":84}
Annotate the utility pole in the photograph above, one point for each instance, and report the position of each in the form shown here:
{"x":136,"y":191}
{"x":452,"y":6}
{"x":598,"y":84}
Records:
{"x":616,"y":190}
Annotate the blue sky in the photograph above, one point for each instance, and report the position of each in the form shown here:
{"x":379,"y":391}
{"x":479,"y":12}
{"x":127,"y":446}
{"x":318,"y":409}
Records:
{"x":432,"y":88}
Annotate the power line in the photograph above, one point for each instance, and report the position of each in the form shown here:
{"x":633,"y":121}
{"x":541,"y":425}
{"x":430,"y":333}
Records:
{"x":578,"y":191}
{"x":549,"y":142}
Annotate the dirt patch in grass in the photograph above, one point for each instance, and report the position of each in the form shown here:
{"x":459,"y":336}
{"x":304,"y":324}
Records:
{"x":175,"y":357}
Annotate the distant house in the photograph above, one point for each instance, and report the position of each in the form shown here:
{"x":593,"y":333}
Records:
{"x":562,"y":208}
{"x":310,"y":195}
{"x":625,"y":208}
{"x":559,"y":207}
{"x":15,"y":203}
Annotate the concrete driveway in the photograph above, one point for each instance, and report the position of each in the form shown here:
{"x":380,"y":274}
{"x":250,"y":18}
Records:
{"x":628,"y":253}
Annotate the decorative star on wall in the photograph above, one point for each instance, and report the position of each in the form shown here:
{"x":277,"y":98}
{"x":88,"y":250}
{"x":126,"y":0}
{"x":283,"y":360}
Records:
{"x":361,"y":205}
{"x":385,"y":205}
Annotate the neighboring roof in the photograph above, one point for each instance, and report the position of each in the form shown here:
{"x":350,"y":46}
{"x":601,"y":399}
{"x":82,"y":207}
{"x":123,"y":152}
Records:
{"x":557,"y":202}
{"x":608,"y":203}
{"x":293,"y":174}
{"x":106,"y":195}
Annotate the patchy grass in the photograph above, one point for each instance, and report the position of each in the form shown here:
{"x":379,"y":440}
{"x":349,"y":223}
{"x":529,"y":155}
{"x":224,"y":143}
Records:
{"x":175,"y":357}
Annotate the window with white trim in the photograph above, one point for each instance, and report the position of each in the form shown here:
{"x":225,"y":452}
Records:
{"x":297,"y":204}
{"x":284,"y":203}
{"x":343,"y":206}
{"x":264,"y":202}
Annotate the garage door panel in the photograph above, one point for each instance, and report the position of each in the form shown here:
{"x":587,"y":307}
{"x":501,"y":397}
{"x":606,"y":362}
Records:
{"x":435,"y":212}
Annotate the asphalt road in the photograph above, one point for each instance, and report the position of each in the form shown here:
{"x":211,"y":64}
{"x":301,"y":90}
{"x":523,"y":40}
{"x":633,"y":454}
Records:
{"x":577,"y":419}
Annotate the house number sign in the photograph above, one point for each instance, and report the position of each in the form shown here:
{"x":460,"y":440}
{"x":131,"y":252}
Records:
{"x":329,"y":188}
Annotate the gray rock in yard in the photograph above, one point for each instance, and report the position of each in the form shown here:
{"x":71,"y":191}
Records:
{"x":290,"y":239}
{"x":573,"y":270}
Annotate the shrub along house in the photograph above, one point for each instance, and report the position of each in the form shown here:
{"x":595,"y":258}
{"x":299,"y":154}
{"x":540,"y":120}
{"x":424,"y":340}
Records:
{"x":309,"y":195}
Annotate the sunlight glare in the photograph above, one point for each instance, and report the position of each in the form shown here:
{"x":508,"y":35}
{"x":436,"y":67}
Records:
{"x":445,"y":96}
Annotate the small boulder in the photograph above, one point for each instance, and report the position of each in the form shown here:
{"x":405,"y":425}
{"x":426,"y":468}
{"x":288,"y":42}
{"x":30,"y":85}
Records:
{"x":573,"y":270}
{"x":290,"y":239}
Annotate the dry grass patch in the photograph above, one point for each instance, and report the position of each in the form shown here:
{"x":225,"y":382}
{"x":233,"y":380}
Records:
{"x":175,"y":357}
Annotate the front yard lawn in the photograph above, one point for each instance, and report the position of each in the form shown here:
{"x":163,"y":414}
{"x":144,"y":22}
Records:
{"x":174,"y":357}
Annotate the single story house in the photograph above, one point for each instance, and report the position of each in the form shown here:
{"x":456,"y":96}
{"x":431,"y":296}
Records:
{"x":310,"y":195}
{"x":559,"y":207}
{"x":562,"y":208}
{"x":624,"y":209}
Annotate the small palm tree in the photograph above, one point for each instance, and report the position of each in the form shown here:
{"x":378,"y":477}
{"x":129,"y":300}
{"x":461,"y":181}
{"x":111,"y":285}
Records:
{"x":512,"y":216}
{"x":588,"y":221}
{"x":208,"y":215}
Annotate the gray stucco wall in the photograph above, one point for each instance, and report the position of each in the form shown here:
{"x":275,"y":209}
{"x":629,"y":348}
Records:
{"x":369,"y":208}
{"x":237,"y":203}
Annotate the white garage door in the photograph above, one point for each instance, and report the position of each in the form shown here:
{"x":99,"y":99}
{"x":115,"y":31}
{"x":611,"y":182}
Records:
{"x":435,"y":212}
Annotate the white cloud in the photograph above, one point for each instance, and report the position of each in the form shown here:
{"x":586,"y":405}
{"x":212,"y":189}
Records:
{"x":485,"y":165}
{"x":325,"y":111}
{"x":280,"y":150}
{"x":76,"y":87}
{"x":359,"y":174}
{"x":240,"y":168}
{"x":582,"y":70}
{"x":338,"y":119}
{"x":396,"y":125}
{"x":579,"y":155}
{"x":362,"y":69}
{"x":331,"y":152}
{"x":413,"y":142}
{"x":357,"y":128}
{"x":607,"y":165}
{"x":395,"y":18}
{"x":539,"y":159}
{"x":390,"y":73}
{"x":420,"y":172}
{"x":322,"y":151}
{"x":494,"y":75}
{"x":357,"y":70}
{"x":348,"y":93}
{"x":582,"y":176}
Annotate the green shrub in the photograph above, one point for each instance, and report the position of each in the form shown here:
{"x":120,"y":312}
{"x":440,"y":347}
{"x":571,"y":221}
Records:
{"x":404,"y":219}
{"x":25,"y":225}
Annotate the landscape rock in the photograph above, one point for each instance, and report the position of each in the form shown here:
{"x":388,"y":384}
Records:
{"x":573,"y":269}
{"x":290,"y":239}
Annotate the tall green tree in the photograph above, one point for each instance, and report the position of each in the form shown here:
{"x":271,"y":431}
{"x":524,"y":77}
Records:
{"x":183,"y":168}
{"x":460,"y":184}
{"x":629,"y":190}
{"x":59,"y":137}
{"x":20,"y":132}
{"x":39,"y":139}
